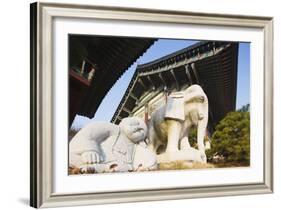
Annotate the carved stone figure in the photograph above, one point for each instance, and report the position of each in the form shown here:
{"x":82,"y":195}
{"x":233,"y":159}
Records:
{"x":106,"y":147}
{"x":170,"y":123}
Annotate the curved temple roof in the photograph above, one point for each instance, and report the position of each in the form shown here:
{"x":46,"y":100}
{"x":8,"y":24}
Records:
{"x":110,"y":56}
{"x":213,"y":65}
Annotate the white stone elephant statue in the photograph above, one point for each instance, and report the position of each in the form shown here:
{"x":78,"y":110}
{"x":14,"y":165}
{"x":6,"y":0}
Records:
{"x":106,"y":147}
{"x":169,"y":125}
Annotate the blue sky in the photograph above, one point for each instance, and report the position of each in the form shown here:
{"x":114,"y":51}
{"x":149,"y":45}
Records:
{"x":159,"y":49}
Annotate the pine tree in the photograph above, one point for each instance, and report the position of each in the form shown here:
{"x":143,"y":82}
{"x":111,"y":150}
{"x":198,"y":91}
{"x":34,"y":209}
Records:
{"x":231,"y":138}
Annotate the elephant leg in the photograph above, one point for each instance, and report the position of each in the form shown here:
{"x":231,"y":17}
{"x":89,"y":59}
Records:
{"x":184,"y":143}
{"x":174,"y":130}
{"x":154,"y":142}
{"x":153,"y":146}
{"x":201,"y":129}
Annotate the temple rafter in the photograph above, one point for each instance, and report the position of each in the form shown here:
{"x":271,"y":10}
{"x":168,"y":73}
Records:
{"x":163,"y":81}
{"x":175,"y":78}
{"x":215,"y":72}
{"x":151,"y":82}
{"x":142,"y":83}
{"x":126,"y":110}
{"x":188,"y":74}
{"x":134,"y":97}
{"x":193,"y":68}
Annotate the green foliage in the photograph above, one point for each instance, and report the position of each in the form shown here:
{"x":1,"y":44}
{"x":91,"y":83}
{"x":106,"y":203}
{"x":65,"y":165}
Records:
{"x":231,"y":138}
{"x":192,"y":136}
{"x":245,"y":108}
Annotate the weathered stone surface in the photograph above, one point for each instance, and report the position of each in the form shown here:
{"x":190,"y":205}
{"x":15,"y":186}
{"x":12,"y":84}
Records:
{"x":106,"y":147}
{"x":169,"y":125}
{"x":183,"y":165}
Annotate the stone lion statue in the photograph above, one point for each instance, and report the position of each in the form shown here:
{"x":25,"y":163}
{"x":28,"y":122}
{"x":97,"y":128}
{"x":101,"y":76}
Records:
{"x":106,"y":147}
{"x":169,"y":125}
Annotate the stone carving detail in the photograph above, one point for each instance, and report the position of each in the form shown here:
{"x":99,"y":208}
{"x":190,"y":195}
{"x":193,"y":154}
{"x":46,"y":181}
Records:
{"x":170,"y":123}
{"x":106,"y":147}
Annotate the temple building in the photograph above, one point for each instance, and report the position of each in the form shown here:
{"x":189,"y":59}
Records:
{"x":95,"y":64}
{"x":212,"y":65}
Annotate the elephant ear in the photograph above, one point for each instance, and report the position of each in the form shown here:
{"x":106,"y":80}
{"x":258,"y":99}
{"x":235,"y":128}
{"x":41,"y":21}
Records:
{"x":175,"y":107}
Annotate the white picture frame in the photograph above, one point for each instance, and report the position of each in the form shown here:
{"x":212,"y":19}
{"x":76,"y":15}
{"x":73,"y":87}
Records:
{"x":43,"y":135}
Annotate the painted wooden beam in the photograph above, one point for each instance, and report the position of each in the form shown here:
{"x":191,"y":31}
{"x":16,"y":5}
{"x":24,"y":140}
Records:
{"x":134,"y":97}
{"x":193,"y":68}
{"x":151,"y":82}
{"x":163,"y":81}
{"x":188,"y":74}
{"x":175,"y":78}
{"x":142,"y":83}
{"x":126,"y":110}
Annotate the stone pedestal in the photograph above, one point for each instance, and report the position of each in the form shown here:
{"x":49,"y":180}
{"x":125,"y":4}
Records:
{"x":188,"y":154}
